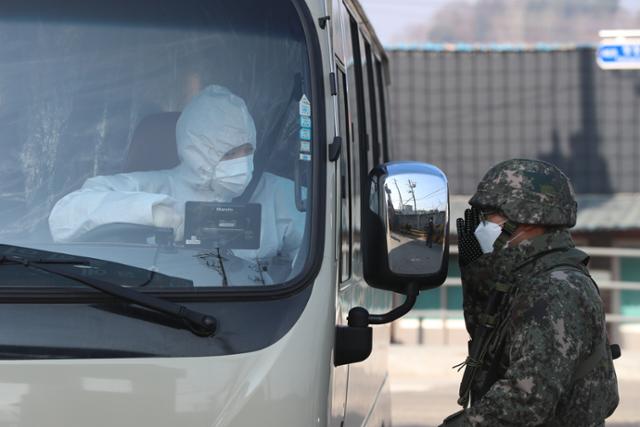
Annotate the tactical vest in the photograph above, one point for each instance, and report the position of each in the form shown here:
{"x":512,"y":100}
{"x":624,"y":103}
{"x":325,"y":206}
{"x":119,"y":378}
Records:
{"x":482,"y":367}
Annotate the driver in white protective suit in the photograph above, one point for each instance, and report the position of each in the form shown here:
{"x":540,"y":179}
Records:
{"x":215,"y":137}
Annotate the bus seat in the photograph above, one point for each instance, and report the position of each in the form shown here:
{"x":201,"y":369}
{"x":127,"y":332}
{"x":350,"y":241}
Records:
{"x":153,"y":146}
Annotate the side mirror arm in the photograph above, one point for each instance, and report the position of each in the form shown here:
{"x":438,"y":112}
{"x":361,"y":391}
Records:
{"x":360,"y":317}
{"x":353,"y":343}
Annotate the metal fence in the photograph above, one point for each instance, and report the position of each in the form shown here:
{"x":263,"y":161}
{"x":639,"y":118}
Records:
{"x":466,"y":109}
{"x":613,"y":288}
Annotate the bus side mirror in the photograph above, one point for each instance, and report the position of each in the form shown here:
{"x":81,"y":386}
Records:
{"x":405,"y":235}
{"x":405,"y":246}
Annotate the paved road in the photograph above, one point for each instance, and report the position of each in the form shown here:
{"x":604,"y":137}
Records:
{"x":410,"y":255}
{"x":424,"y":387}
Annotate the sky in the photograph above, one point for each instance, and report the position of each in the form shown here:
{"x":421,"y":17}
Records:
{"x":391,"y":18}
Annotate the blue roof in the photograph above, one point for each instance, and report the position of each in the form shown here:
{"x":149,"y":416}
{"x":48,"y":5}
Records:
{"x":490,"y":47}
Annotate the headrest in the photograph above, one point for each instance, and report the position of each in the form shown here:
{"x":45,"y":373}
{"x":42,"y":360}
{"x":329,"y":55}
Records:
{"x":153,"y":146}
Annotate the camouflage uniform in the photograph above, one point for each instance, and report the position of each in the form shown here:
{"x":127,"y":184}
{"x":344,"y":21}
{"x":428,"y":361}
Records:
{"x":552,"y":319}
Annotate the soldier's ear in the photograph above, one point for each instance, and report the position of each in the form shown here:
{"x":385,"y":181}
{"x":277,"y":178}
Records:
{"x":534,"y":228}
{"x":526,"y":231}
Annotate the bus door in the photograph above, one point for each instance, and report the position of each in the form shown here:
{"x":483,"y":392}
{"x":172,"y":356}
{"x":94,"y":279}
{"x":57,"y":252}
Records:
{"x":368,"y":398}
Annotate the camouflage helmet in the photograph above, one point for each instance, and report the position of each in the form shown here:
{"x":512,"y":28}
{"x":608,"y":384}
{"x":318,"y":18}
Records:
{"x":528,"y":192}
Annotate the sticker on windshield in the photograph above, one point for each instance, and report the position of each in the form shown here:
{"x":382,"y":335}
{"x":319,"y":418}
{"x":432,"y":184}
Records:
{"x":305,"y":106}
{"x":305,"y":122}
{"x":305,"y":134}
{"x":305,"y":129}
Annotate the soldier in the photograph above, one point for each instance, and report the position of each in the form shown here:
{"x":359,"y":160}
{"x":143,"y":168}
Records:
{"x":429,"y":230}
{"x":539,"y":353}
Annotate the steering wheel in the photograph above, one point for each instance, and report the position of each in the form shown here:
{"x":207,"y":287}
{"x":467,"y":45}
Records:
{"x":121,"y":232}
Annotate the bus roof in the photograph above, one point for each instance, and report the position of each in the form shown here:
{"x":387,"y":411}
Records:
{"x":363,"y":20}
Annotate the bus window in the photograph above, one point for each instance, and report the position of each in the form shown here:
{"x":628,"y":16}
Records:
{"x":361,"y":134}
{"x":384,"y":140}
{"x":373,"y":110}
{"x":345,"y":178}
{"x":362,"y":137}
{"x":366,"y":106}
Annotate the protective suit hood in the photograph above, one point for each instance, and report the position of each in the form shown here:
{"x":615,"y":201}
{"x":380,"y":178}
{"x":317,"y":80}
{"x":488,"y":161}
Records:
{"x":214,"y":122}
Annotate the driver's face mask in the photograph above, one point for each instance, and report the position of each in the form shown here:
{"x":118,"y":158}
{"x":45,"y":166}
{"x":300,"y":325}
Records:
{"x":487,"y":233}
{"x":234,"y":175}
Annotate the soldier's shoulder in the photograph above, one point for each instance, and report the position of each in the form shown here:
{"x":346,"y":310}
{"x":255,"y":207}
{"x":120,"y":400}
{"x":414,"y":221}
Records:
{"x":555,"y":294}
{"x":560,"y":286}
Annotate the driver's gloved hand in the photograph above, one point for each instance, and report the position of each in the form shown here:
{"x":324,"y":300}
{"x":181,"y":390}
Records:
{"x":468,"y":247}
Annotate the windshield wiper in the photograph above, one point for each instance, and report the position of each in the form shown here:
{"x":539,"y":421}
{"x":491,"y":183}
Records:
{"x":200,"y":324}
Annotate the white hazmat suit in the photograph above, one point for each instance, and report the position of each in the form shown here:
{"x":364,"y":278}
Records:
{"x":214,"y":122}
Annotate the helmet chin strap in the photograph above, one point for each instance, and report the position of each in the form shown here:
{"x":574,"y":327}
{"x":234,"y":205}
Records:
{"x":508,"y":228}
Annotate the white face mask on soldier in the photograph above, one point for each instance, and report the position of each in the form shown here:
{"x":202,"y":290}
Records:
{"x":487,"y":233}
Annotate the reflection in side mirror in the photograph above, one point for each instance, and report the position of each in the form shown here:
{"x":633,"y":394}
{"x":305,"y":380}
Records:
{"x":415,"y":227}
{"x":406,"y":231}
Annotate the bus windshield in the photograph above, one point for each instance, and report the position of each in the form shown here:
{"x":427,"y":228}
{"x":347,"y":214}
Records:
{"x":173,"y":136}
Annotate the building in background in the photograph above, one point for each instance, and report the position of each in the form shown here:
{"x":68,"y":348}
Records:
{"x":465,"y":108}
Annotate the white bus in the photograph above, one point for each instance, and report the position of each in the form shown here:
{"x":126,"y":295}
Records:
{"x":198,"y":220}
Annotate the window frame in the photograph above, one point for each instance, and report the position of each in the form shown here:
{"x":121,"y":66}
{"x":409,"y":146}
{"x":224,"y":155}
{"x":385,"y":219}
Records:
{"x":346,"y":197}
{"x":382,"y":91}
{"x":362,"y":142}
{"x":373,"y":104}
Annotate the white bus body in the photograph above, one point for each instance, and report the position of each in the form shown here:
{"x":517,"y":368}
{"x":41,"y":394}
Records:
{"x":73,"y":356}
